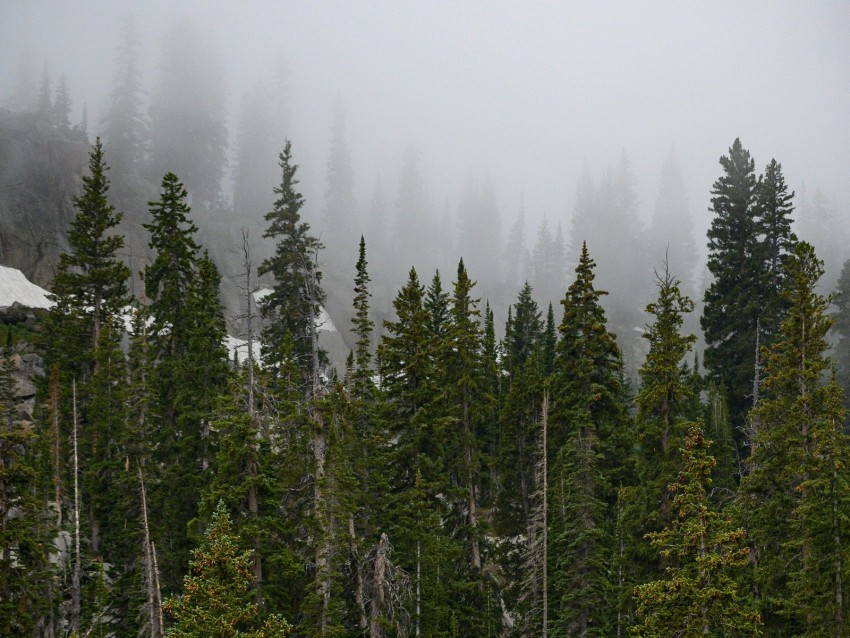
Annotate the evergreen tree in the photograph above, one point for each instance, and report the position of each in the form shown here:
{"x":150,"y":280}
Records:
{"x":90,"y":286}
{"x":188,"y":124}
{"x":216,"y":594}
{"x":586,"y":422}
{"x":791,"y":499}
{"x":124,"y":122}
{"x":62,"y":105}
{"x":841,"y":355}
{"x":363,"y":325}
{"x":189,"y":363}
{"x":663,"y":403}
{"x":776,"y":244}
{"x":293,"y":306}
{"x":700,"y":595}
{"x":340,"y":215}
{"x":731,"y":313}
{"x":672,"y":228}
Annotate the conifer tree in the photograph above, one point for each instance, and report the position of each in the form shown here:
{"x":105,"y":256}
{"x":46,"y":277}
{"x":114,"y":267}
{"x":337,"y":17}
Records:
{"x":775,"y":247}
{"x":700,"y":595}
{"x":189,"y":363}
{"x":363,"y":325}
{"x":731,"y":313}
{"x":124,"y":121}
{"x":91,"y":282}
{"x":62,"y":105}
{"x":216,"y":594}
{"x":792,"y":499}
{"x":662,"y":406}
{"x":586,"y":421}
{"x":841,"y":356}
{"x":293,"y":305}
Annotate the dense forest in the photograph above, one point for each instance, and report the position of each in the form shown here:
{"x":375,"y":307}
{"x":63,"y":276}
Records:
{"x":446,"y":482}
{"x":581,"y":434}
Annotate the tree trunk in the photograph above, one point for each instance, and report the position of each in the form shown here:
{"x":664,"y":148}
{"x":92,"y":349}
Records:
{"x":75,"y":582}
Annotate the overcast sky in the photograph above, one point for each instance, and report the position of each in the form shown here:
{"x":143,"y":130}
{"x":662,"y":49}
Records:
{"x":524,"y":92}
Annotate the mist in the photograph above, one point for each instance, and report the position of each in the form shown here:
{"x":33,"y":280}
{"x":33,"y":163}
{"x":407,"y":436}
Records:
{"x":455,"y":120}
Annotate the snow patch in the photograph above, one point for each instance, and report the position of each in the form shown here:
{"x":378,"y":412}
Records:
{"x":15,"y":287}
{"x":323,"y":323}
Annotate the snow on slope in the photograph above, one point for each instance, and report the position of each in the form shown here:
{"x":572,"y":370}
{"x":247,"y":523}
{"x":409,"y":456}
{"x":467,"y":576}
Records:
{"x":15,"y":287}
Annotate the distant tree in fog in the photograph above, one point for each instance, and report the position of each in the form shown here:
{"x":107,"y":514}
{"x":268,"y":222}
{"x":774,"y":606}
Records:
{"x":260,"y":133}
{"x":415,"y":227}
{"x":124,"y":130}
{"x":188,"y":130}
{"x":62,"y":105}
{"x":513,"y":260}
{"x":550,"y":263}
{"x":341,"y":224}
{"x":821,"y":223}
{"x":480,"y":240}
{"x":671,"y":232}
{"x":45,"y":97}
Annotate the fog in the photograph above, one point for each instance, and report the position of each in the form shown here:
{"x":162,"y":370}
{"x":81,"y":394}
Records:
{"x":525,"y":97}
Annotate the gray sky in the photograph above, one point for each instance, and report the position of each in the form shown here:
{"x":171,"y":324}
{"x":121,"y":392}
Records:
{"x":524,"y":92}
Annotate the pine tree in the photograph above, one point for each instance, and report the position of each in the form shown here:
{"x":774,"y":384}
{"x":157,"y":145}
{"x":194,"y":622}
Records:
{"x":216,"y":594}
{"x":90,"y":285}
{"x":189,"y":363}
{"x":187,"y":117}
{"x":363,"y":325}
{"x":776,"y":244}
{"x":586,"y":422}
{"x":792,"y":498}
{"x":293,"y":306}
{"x":124,"y":120}
{"x":731,"y":311}
{"x":62,"y":105}
{"x":700,"y":595}
{"x":841,"y":356}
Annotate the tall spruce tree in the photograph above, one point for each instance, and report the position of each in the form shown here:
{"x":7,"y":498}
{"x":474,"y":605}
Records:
{"x":587,"y":418}
{"x":775,"y":246}
{"x":701,"y":594}
{"x":188,"y":364}
{"x":91,"y":282}
{"x":731,"y":313}
{"x":800,"y":483}
{"x":663,"y":405}
{"x":216,"y":594}
{"x":293,"y":306}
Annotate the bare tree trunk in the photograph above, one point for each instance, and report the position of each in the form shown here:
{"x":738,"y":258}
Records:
{"x":75,"y":583}
{"x":319,"y":441}
{"x":545,"y":565}
{"x":358,"y":575}
{"x":57,"y":460}
{"x":418,"y":588}
{"x":379,"y":588}
{"x":838,"y":564}
{"x":157,"y":589}
{"x":154,"y":614}
{"x":754,"y":420}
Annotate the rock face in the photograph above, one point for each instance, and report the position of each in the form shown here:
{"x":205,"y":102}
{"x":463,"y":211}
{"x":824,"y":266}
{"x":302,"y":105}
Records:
{"x":40,"y":170}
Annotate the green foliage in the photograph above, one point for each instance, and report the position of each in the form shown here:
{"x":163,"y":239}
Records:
{"x":792,"y":498}
{"x":293,"y":305}
{"x":216,"y":594}
{"x":700,"y":595}
{"x":587,"y":427}
{"x":731,"y":301}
